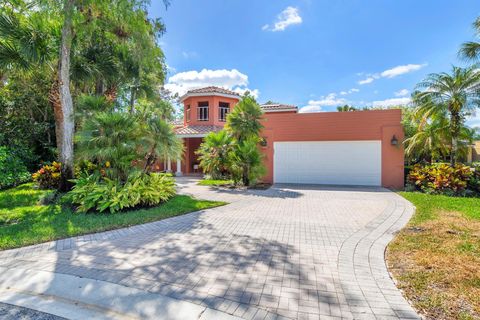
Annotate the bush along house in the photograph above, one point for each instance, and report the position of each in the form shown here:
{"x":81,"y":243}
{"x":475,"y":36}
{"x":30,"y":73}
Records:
{"x":333,"y":148}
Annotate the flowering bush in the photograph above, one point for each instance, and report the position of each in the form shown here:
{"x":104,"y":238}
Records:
{"x":440,"y":178}
{"x":48,"y":177}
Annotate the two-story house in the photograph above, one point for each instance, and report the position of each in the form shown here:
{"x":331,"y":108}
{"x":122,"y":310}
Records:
{"x":336,"y":148}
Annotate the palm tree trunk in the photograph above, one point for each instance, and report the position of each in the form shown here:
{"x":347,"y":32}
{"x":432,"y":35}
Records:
{"x":64,"y":117}
{"x":132,"y":100}
{"x":455,"y":132}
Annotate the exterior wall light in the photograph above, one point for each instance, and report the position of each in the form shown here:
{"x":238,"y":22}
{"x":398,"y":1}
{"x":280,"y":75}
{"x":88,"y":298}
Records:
{"x":263,"y":142}
{"x":394,"y":141}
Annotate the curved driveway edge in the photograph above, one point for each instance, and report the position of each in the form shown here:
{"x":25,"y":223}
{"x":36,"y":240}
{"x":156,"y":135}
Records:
{"x":298,"y":252}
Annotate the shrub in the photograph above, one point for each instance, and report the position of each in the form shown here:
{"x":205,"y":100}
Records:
{"x":12,"y":169}
{"x":95,"y":193}
{"x":48,"y":177}
{"x":440,"y":178}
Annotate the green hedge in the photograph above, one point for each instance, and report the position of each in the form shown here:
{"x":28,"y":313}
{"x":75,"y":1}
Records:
{"x":12,"y":169}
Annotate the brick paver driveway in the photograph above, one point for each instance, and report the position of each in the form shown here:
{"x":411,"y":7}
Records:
{"x":305,"y":252}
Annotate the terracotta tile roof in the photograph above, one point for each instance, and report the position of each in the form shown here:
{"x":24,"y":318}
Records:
{"x":278,"y":107}
{"x":213,"y":89}
{"x":196,"y":130}
{"x":177,"y":123}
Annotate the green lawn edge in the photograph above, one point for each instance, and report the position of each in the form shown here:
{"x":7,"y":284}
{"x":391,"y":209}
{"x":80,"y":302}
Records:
{"x":35,"y":224}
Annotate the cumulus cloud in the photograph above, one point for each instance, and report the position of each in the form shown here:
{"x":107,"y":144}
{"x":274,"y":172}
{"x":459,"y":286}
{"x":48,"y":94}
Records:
{"x":392,"y":73}
{"x":233,"y":79}
{"x":324,"y":101}
{"x":353,"y":90}
{"x":391,"y":102}
{"x":474,"y":121}
{"x":289,"y":16}
{"x":402,"y":93}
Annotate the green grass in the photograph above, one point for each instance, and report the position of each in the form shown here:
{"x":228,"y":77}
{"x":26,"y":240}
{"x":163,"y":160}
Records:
{"x":436,"y":257}
{"x":23,"y":221}
{"x":211,"y":182}
{"x":429,"y":205}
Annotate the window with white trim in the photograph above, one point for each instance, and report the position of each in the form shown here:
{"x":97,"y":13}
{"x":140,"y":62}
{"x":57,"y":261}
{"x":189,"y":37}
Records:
{"x":202,"y":111}
{"x":224,"y":108}
{"x":187,"y":113}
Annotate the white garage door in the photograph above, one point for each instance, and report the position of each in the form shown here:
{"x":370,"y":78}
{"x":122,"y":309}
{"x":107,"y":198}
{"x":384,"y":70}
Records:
{"x":328,"y":162}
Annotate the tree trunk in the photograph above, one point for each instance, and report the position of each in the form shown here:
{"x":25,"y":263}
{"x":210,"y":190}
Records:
{"x":245,"y":179}
{"x":455,"y":132}
{"x":64,"y":117}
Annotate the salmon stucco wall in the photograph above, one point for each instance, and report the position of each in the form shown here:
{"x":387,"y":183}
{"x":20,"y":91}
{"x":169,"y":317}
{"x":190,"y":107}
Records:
{"x":380,"y":125}
{"x":213,"y":109}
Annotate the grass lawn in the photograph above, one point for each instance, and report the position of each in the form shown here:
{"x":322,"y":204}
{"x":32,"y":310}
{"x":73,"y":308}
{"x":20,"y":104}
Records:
{"x":436,"y":258}
{"x":211,"y":182}
{"x":24,"y":222}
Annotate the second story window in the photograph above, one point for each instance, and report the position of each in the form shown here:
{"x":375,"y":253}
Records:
{"x":202,"y":111}
{"x":187,"y":113}
{"x":224,"y":108}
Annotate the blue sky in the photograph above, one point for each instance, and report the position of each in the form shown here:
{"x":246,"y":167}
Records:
{"x":313,"y":53}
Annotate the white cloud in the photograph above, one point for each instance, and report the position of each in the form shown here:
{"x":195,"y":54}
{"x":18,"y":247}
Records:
{"x":399,"y":70}
{"x":324,"y":101}
{"x":230,"y":79}
{"x":289,"y":16}
{"x":391,"y":102}
{"x":241,"y":91}
{"x":189,"y":54}
{"x":365,"y":81}
{"x":474,"y":120}
{"x":353,"y":90}
{"x":391,"y":73}
{"x":312,"y":108}
{"x":402,"y":93}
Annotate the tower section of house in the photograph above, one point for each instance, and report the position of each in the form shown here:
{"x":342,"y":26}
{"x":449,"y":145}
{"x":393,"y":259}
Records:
{"x":205,"y":111}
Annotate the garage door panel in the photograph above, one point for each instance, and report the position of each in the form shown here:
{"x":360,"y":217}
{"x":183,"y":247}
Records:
{"x":328,"y":162}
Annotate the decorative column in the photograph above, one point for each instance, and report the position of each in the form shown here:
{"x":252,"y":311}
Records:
{"x":169,"y":165}
{"x":179,"y":168}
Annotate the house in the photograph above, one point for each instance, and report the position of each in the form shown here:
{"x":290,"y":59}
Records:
{"x":336,"y":148}
{"x":474,"y":152}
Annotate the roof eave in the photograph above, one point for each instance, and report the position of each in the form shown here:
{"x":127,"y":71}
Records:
{"x":207,"y":94}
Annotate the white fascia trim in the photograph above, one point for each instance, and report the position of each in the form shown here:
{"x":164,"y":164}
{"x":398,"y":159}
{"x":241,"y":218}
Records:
{"x":198,"y":135}
{"x":188,"y":95}
{"x":283,"y":110}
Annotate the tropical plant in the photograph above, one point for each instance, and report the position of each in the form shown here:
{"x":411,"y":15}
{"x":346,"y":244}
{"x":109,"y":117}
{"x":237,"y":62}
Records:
{"x":440,"y":178}
{"x":49,"y":176}
{"x":244,"y":121}
{"x":159,"y":142}
{"x":346,"y":108}
{"x":12,"y":170}
{"x":247,"y":164}
{"x":112,"y":137}
{"x":215,"y":154}
{"x":455,"y":95}
{"x":471,"y":50}
{"x":102,"y":194}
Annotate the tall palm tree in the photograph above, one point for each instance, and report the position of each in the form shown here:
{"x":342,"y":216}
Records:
{"x":456,"y":94}
{"x":244,"y":121}
{"x":471,"y":50}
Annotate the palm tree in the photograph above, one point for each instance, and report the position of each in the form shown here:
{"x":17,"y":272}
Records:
{"x":215,"y":154}
{"x":244,"y":121}
{"x":112,"y":137}
{"x":160,"y":142}
{"x":248,"y":161}
{"x":471,"y":50}
{"x":456,"y":95}
{"x":430,"y":140}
